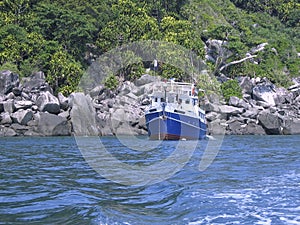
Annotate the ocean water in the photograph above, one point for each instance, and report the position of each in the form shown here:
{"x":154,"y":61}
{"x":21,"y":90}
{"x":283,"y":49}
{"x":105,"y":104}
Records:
{"x":252,"y":180}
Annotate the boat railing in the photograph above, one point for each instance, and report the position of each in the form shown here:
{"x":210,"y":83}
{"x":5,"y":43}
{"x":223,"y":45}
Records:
{"x":173,"y":87}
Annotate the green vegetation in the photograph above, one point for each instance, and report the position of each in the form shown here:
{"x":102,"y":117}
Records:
{"x":231,"y":88}
{"x":111,"y":82}
{"x":61,"y":38}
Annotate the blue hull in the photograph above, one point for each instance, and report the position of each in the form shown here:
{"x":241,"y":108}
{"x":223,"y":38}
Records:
{"x":174,"y":126}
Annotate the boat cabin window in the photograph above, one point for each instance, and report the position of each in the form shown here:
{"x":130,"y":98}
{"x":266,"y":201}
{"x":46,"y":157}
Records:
{"x":171,"y":100}
{"x":195,"y":102}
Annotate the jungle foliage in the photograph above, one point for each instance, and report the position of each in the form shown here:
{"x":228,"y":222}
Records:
{"x":61,"y":38}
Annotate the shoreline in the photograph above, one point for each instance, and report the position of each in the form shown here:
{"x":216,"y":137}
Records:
{"x":28,"y":107}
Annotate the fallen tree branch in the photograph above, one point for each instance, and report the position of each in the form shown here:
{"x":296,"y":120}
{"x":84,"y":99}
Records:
{"x":237,"y":61}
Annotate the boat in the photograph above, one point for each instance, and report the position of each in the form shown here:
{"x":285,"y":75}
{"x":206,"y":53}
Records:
{"x":174,"y":112}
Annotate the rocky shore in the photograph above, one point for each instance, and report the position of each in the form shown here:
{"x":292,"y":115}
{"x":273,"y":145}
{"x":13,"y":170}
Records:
{"x":28,"y":107}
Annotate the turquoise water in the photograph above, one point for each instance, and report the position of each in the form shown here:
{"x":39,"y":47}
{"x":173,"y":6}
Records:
{"x":253,"y":180}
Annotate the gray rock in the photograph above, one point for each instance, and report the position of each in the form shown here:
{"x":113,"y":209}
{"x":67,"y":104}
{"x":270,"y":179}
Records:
{"x":22,"y":116}
{"x":48,"y":103}
{"x":83,"y":115}
{"x":235,"y":127}
{"x":125,"y":129}
{"x":264,"y":93}
{"x":53,"y":125}
{"x":97,"y":91}
{"x":142,"y":123}
{"x":23,"y":104}
{"x":126,"y":88}
{"x":5,"y":118}
{"x":7,"y":132}
{"x":210,"y":107}
{"x":252,"y":128}
{"x":63,"y":101}
{"x":145,"y":79}
{"x":17,"y":91}
{"x":106,"y":131}
{"x":1,"y":107}
{"x":263,"y":104}
{"x":65,"y":114}
{"x":9,"y":106}
{"x":10,"y":96}
{"x":31,"y":133}
{"x":234,"y":101}
{"x":282,"y":96}
{"x":211,"y":116}
{"x":246,"y":84}
{"x":36,"y":83}
{"x":270,"y":122}
{"x":20,"y":129}
{"x":117,"y":118}
{"x":8,"y":81}
{"x":297,"y":99}
{"x":217,"y":127}
{"x":291,"y":126}
{"x":251,"y":113}
{"x":230,"y":110}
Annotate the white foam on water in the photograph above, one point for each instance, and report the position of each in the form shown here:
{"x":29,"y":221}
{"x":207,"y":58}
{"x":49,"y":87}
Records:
{"x":212,"y":220}
{"x":290,"y":221}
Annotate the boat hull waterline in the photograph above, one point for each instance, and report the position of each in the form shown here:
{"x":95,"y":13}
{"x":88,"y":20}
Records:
{"x":174,"y":126}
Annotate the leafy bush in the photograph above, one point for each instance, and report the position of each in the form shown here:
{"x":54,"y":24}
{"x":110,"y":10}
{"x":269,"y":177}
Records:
{"x":231,"y":88}
{"x":111,"y":82}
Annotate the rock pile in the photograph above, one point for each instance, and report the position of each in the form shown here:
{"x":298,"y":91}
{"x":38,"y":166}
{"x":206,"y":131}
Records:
{"x":29,"y":108}
{"x":264,"y":109}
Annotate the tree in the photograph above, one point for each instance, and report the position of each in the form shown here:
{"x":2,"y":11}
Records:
{"x":64,"y":72}
{"x":70,"y":28}
{"x":131,"y":23}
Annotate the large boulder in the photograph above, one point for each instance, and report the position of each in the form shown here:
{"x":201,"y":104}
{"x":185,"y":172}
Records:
{"x":237,"y":102}
{"x":217,"y":127}
{"x":63,"y":101}
{"x":292,"y":126}
{"x":22,"y":116}
{"x":23,"y":104}
{"x":8,"y":81}
{"x":235,"y":127}
{"x":251,"y":112}
{"x":36,"y":83}
{"x":145,"y":79}
{"x":53,"y":125}
{"x":48,"y":103}
{"x":229,"y":111}
{"x":271,"y":122}
{"x":5,"y":118}
{"x":246,"y":84}
{"x":265,"y":93}
{"x":83,"y":115}
{"x":252,"y":128}
{"x":282,"y":96}
{"x":98,"y":90}
{"x":9,"y":106}
{"x":7,"y":132}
